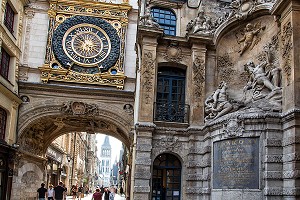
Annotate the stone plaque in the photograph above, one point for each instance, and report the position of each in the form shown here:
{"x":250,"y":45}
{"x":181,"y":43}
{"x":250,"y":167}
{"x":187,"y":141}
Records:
{"x":236,"y":164}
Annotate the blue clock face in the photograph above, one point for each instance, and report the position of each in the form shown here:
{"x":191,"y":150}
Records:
{"x":86,"y":44}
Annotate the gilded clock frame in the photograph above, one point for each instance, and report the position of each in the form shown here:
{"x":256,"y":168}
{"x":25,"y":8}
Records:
{"x":115,"y":14}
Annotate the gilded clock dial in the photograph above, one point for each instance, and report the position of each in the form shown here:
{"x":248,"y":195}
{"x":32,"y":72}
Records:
{"x":86,"y":44}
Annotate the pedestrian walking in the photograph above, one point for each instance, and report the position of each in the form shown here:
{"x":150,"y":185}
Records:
{"x":59,"y":192}
{"x":50,"y":192}
{"x":42,"y":192}
{"x":80,"y":192}
{"x":106,"y":193}
{"x":74,"y":191}
{"x":112,"y":193}
{"x":97,"y":195}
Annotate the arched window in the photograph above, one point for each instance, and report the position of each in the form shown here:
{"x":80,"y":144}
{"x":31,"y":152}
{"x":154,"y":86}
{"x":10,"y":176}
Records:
{"x":170,"y":97}
{"x":166,"y":177}
{"x":166,"y":19}
{"x":3,"y":118}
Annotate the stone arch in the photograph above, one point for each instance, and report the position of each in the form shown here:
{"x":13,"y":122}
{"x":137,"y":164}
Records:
{"x":31,"y":167}
{"x":40,"y":124}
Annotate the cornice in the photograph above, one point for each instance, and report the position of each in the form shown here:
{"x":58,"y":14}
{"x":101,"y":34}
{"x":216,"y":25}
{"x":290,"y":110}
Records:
{"x":8,"y":93}
{"x":75,"y":89}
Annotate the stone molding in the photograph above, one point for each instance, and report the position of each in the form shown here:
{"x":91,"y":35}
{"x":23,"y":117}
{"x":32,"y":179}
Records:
{"x":273,"y":158}
{"x":200,"y":151}
{"x":273,"y":175}
{"x":143,"y":161}
{"x":142,"y":175}
{"x":199,"y":164}
{"x":141,"y":189}
{"x":144,"y":147}
{"x":291,"y":157}
{"x":273,"y":191}
{"x":272,"y":143}
{"x":286,"y":141}
{"x":293,"y":174}
{"x":198,"y":177}
{"x":197,"y":190}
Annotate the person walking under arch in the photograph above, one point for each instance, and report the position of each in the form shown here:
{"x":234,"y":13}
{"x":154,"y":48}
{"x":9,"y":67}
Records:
{"x":42,"y":192}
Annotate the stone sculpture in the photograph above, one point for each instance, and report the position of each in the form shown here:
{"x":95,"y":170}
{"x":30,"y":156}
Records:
{"x":201,"y":24}
{"x":265,"y":84}
{"x":218,"y":103}
{"x":148,"y":20}
{"x":249,"y":36}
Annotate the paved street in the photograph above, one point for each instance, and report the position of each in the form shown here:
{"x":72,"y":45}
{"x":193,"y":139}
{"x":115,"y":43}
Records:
{"x":89,"y":197}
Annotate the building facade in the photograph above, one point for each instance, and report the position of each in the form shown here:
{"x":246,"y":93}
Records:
{"x":204,"y":95}
{"x":105,"y":162}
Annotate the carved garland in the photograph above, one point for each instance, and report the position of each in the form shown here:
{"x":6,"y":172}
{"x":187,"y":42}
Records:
{"x":287,"y":46}
{"x":199,"y":76}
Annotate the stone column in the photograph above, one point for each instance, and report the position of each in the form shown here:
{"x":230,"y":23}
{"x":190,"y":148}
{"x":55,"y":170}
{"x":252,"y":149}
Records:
{"x":288,"y":12}
{"x":142,"y":172}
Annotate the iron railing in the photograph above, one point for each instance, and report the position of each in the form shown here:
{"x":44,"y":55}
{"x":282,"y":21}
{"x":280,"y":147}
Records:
{"x":171,"y":112}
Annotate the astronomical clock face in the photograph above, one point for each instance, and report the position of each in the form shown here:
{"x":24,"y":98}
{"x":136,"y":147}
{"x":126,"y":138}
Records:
{"x":86,"y":44}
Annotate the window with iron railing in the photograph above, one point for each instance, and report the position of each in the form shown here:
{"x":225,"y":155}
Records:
{"x":170,"y":98}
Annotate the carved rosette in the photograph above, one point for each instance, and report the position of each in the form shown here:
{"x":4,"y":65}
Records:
{"x":147,"y":72}
{"x":198,"y":76}
{"x":287,"y":46}
{"x":173,"y":54}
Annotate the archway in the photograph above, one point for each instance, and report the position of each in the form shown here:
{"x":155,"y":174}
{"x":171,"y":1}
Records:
{"x":40,"y":124}
{"x":166,"y":177}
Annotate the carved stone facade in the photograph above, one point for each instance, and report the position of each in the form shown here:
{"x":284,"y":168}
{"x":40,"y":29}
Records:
{"x":227,"y":77}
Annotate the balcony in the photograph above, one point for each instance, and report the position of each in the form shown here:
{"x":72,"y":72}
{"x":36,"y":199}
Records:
{"x":171,"y":112}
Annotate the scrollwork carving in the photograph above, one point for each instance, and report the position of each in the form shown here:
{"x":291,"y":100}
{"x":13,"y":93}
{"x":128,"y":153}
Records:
{"x":287,"y":47}
{"x":79,"y":108}
{"x":225,"y":68}
{"x":148,"y":73}
{"x":233,"y":128}
{"x":199,"y":76}
{"x":169,"y":143}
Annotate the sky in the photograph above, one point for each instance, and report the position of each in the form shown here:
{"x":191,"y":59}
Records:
{"x":115,"y":146}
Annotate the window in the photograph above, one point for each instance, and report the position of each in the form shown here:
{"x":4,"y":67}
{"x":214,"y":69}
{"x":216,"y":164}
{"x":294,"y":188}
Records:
{"x":9,"y":18}
{"x":4,"y":63}
{"x":166,"y":19}
{"x":3,"y":118}
{"x":170,"y":98}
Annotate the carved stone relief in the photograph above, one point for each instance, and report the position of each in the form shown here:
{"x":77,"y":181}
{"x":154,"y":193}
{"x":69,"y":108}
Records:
{"x":225,"y":68}
{"x":148,"y":68}
{"x":202,"y":24}
{"x":79,"y":108}
{"x":287,"y":47}
{"x":29,"y":177}
{"x":32,"y":140}
{"x":169,"y":142}
{"x":173,"y":53}
{"x":148,"y":20}
{"x":233,"y":128}
{"x":249,"y":36}
{"x":198,"y":76}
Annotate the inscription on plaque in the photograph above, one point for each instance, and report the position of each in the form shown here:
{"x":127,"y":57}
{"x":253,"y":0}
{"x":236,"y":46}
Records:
{"x":236,"y":164}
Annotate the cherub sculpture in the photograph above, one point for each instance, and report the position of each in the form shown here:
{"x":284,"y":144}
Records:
{"x":249,"y":38}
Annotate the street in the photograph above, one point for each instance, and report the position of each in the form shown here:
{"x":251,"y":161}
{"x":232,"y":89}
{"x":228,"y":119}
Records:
{"x":89,"y":197}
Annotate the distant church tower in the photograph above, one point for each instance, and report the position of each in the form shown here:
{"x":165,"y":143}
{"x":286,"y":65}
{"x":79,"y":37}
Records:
{"x":105,"y":158}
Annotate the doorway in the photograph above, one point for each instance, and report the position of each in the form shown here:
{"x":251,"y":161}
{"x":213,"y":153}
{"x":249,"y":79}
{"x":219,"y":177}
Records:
{"x":166,"y":178}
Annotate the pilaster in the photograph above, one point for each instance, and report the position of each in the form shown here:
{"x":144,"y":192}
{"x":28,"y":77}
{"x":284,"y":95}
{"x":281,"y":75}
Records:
{"x":288,"y":13}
